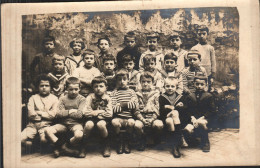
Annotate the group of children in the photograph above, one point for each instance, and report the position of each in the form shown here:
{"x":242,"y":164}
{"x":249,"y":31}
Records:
{"x":130,"y":93}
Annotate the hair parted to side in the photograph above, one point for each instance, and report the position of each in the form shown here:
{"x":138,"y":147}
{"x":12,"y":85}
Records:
{"x":201,"y":76}
{"x":109,"y":57}
{"x":72,"y":80}
{"x":47,"y":39}
{"x":130,"y":34}
{"x":43,"y":77}
{"x":127,"y":58}
{"x":147,"y":75}
{"x":121,"y":72}
{"x":194,"y":52}
{"x":99,"y":79}
{"x":148,"y":58}
{"x":104,"y":38}
{"x":77,"y":40}
{"x":171,"y":80}
{"x":58,"y":58}
{"x":171,"y":56}
{"x":88,"y":52}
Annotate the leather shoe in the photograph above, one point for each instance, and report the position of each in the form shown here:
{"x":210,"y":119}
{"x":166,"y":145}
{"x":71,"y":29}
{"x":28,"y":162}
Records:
{"x":206,"y":147}
{"x":176,"y":153}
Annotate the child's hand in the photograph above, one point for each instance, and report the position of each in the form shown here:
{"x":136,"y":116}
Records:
{"x":97,"y":112}
{"x":212,"y":80}
{"x":169,"y":107}
{"x":146,"y":122}
{"x":170,"y":114}
{"x":100,"y":117}
{"x":180,"y":104}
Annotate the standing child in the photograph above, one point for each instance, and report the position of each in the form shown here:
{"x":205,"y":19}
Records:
{"x":125,"y":105}
{"x":208,"y":59}
{"x":98,"y":112}
{"x":70,"y":112}
{"x":75,"y":60}
{"x":58,"y":75}
{"x":174,"y":113}
{"x":152,"y":42}
{"x":131,"y":48}
{"x":203,"y":108}
{"x":149,"y":110}
{"x":41,"y":111}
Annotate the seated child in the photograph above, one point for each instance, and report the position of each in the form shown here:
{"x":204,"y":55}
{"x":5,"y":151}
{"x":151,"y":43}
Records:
{"x":150,"y":66}
{"x":190,"y":72}
{"x":149,"y":110}
{"x":173,"y":112}
{"x":87,"y":72}
{"x":125,"y":105}
{"x":134,"y":75}
{"x":109,"y":65}
{"x":131,"y":48}
{"x":58,"y":75}
{"x":98,"y":111}
{"x":41,"y":112}
{"x":152,"y":42}
{"x":75,"y":60}
{"x":170,"y":66}
{"x":70,"y":112}
{"x":202,"y":108}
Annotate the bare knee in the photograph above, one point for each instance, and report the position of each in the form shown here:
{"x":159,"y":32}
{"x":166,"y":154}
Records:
{"x":78,"y":134}
{"x":116,"y":123}
{"x":89,"y":125}
{"x":158,"y":124}
{"x":101,"y":125}
{"x":169,"y":121}
{"x":130,"y":122}
{"x":138,"y":125}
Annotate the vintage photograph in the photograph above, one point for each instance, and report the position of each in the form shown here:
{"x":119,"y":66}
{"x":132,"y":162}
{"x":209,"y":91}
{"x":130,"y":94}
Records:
{"x":137,"y":86}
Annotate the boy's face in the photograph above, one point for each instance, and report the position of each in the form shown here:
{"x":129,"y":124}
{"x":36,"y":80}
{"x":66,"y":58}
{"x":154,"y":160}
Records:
{"x":73,"y":90}
{"x":109,"y":66}
{"x":200,"y":85}
{"x":152,"y":43}
{"x":49,"y":46}
{"x":175,"y":42}
{"x":170,"y":65}
{"x":170,"y":88}
{"x":129,"y":65}
{"x":103,"y":45}
{"x":44,"y":88}
{"x":150,"y":66}
{"x":146,"y":84}
{"x":77,"y":48}
{"x":89,"y":60}
{"x":58,"y":65}
{"x":122,"y":81}
{"x":202,"y":35}
{"x":99,"y":88}
{"x":194,"y":60}
{"x":130,"y":42}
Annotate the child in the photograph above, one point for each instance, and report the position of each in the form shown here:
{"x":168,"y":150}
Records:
{"x":150,"y":66}
{"x":174,"y":113}
{"x":208,"y":59}
{"x":152,"y":42}
{"x":87,"y":72}
{"x":131,"y":48}
{"x":190,"y":72}
{"x":43,"y":61}
{"x":58,"y":75}
{"x":149,"y":110}
{"x":109,"y":65}
{"x":98,"y":111}
{"x":125,"y":105}
{"x":134,"y":75}
{"x":175,"y":43}
{"x":170,"y":66}
{"x":203,"y":107}
{"x":75,"y":60}
{"x":41,"y":111}
{"x":70,"y":112}
{"x":103,"y":45}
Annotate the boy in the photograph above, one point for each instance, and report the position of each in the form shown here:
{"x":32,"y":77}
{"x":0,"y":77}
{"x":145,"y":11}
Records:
{"x":75,"y":60}
{"x":43,"y":61}
{"x":109,"y":65}
{"x":42,"y":109}
{"x":175,"y":43}
{"x":188,"y":74}
{"x":170,"y":66}
{"x":103,"y":45}
{"x":174,"y":113}
{"x":203,"y":107}
{"x":149,"y":110}
{"x":125,"y":105}
{"x":70,"y":112}
{"x":98,"y":111}
{"x":87,"y":72}
{"x":152,"y":42}
{"x":58,"y":75}
{"x":150,"y":66}
{"x":131,"y":48}
{"x":134,"y":75}
{"x":208,"y":59}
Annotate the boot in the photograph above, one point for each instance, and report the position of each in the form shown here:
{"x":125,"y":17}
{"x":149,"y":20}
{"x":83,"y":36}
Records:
{"x":82,"y":153}
{"x":205,"y":141}
{"x":142,"y":143}
{"x":176,"y":152}
{"x":57,"y":149}
{"x":127,"y":148}
{"x":71,"y":152}
{"x":120,"y":144}
{"x":176,"y":141}
{"x":107,"y":151}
